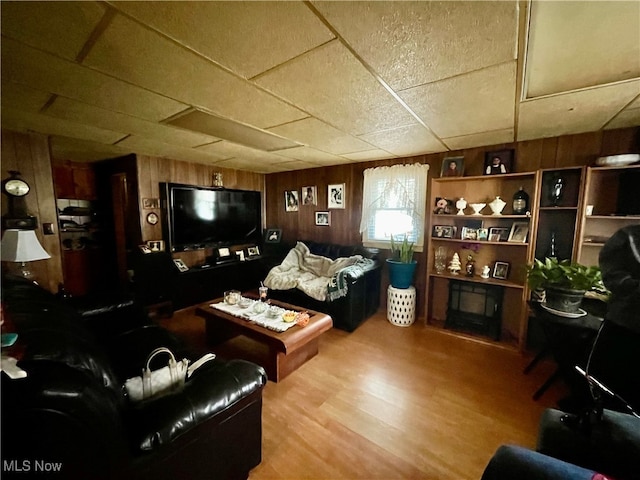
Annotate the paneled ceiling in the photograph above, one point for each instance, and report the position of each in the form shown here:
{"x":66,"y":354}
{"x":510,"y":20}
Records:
{"x":278,"y":86}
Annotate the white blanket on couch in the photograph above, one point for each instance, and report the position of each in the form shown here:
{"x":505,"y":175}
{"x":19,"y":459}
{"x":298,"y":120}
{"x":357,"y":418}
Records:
{"x":305,"y":271}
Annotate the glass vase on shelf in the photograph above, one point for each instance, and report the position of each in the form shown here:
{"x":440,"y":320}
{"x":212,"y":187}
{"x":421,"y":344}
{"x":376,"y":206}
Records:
{"x":520,"y":202}
{"x":440,"y":263}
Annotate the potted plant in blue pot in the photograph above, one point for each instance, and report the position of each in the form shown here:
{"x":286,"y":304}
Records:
{"x":402,"y":266}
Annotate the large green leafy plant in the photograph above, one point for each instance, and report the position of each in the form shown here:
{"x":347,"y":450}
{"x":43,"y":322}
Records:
{"x":403,"y":251}
{"x":564,"y":274}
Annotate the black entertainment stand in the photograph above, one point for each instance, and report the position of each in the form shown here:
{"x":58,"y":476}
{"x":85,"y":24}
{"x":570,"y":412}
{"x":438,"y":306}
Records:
{"x":199,"y":284}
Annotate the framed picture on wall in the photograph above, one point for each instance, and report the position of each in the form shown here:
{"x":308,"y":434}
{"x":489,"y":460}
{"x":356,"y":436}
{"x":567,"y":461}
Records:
{"x":323,"y":218}
{"x":309,"y":195}
{"x":272,"y":235}
{"x":291,"y":201}
{"x":336,"y":196}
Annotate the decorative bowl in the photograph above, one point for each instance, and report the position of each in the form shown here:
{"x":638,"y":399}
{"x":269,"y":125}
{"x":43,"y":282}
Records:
{"x":477,"y":207}
{"x":244,"y":302}
{"x":289,"y":316}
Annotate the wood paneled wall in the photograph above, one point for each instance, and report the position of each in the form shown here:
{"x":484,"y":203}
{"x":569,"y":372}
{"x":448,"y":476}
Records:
{"x":29,"y":154}
{"x":568,"y":150}
{"x":153,"y":170}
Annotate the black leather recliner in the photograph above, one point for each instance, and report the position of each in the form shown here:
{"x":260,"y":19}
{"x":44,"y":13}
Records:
{"x":69,"y":418}
{"x":363,"y":297}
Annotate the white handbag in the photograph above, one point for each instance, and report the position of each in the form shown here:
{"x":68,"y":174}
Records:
{"x":158,"y":382}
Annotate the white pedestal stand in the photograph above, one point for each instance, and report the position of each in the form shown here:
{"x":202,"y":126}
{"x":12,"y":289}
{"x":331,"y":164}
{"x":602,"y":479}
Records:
{"x":401,"y":306}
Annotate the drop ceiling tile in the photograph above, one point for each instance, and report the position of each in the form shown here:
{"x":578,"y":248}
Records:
{"x":230,"y":150}
{"x":582,"y":111}
{"x":405,"y":141}
{"x":412,"y":43}
{"x":65,"y":148}
{"x":308,"y":154}
{"x":629,"y":117}
{"x":154,"y":148}
{"x":61,"y":28}
{"x":368,"y":155}
{"x":315,"y":133}
{"x":334,"y":87}
{"x":140,"y":56}
{"x":600,"y":45}
{"x":22,"y":97}
{"x":244,"y":164}
{"x":56,"y":126}
{"x":264,"y":34}
{"x":467,"y":104}
{"x":46,"y":72}
{"x":480,"y":139}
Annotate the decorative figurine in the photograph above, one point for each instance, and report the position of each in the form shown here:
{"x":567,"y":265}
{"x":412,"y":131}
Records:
{"x":470,"y":267}
{"x":497,"y":205}
{"x":454,"y":265}
{"x":557,"y":189}
{"x":461,"y":204}
{"x":485,"y":271}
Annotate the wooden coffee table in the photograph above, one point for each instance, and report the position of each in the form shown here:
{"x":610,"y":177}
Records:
{"x":286,"y":351}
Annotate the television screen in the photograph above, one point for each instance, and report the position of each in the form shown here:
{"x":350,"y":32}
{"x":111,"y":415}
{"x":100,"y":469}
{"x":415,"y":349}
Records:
{"x":200,"y":217}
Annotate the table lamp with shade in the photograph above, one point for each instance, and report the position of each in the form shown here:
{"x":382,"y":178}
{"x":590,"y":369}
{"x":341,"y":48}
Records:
{"x":22,"y":246}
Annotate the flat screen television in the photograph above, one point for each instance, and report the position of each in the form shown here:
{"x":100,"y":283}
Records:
{"x":203,"y":217}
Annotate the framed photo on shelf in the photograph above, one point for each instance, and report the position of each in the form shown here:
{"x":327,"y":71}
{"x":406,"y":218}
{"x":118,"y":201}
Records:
{"x":156,"y":245}
{"x":253,"y":251}
{"x":499,"y":234}
{"x":291,"y":200}
{"x":323,"y":218}
{"x":452,"y":167}
{"x":272,"y":235}
{"x":501,"y":270}
{"x":144,"y":249}
{"x":483,"y":234}
{"x":498,"y":162}
{"x":444,"y":231}
{"x":335,"y":198}
{"x":469,"y":233}
{"x":519,"y":232}
{"x":309,"y":195}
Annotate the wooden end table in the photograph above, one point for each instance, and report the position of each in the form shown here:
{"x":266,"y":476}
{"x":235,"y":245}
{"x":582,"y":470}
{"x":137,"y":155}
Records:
{"x":286,"y":350}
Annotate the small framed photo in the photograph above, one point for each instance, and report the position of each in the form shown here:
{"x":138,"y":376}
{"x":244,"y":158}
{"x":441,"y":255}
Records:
{"x":180,"y":264}
{"x":309,"y":195}
{"x":438,"y":231}
{"x":452,"y":167}
{"x":253,"y":251}
{"x":449,"y":231}
{"x":499,"y":234}
{"x":443,"y":206}
{"x":224,"y":252}
{"x":519,"y":232}
{"x":483,"y":234}
{"x":144,"y":249}
{"x":323,"y":218}
{"x":498,"y":162}
{"x":272,"y":235}
{"x":336,"y":195}
{"x":240,"y":255}
{"x":291,"y":200}
{"x":150,"y":203}
{"x":156,"y":245}
{"x":469,"y":233}
{"x":501,"y":270}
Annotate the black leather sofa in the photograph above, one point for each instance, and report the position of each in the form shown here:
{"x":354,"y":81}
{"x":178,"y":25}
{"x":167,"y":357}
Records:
{"x":363,"y":297}
{"x":69,"y":418}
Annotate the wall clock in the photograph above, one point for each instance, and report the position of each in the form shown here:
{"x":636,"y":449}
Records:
{"x":16,"y":189}
{"x":152,"y":218}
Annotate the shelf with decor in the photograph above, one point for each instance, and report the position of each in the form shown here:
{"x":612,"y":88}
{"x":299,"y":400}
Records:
{"x":500,"y":243}
{"x":611,"y":202}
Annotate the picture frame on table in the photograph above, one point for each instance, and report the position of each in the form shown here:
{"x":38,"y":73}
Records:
{"x":499,"y":234}
{"x":180,"y":265}
{"x":519,"y":232}
{"x":156,"y":245}
{"x":253,"y":251}
{"x":336,"y":195}
{"x":498,"y":162}
{"x":144,"y":249}
{"x":272,"y":235}
{"x":452,"y":167}
{"x":323,"y":219}
{"x":501,"y":270}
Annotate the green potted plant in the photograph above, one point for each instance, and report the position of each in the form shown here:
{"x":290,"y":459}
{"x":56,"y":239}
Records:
{"x":564,"y":282}
{"x":402,"y":266}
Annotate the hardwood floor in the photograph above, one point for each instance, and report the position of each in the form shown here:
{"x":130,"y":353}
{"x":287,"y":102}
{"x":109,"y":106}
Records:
{"x":388,"y":402}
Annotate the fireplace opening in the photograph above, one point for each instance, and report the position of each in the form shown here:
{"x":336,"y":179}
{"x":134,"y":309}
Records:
{"x":475,"y":308}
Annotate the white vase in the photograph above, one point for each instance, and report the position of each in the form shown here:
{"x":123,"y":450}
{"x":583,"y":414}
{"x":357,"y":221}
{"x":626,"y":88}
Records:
{"x":461,"y":204}
{"x":497,"y":206}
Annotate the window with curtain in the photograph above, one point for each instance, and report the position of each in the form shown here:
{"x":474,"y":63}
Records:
{"x":393,"y":203}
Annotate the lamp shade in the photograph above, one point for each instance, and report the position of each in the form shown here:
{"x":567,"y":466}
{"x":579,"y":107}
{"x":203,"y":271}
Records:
{"x":22,"y":246}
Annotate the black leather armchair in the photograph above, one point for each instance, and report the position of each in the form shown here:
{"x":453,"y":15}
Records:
{"x":69,"y":417}
{"x":363,"y":297}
